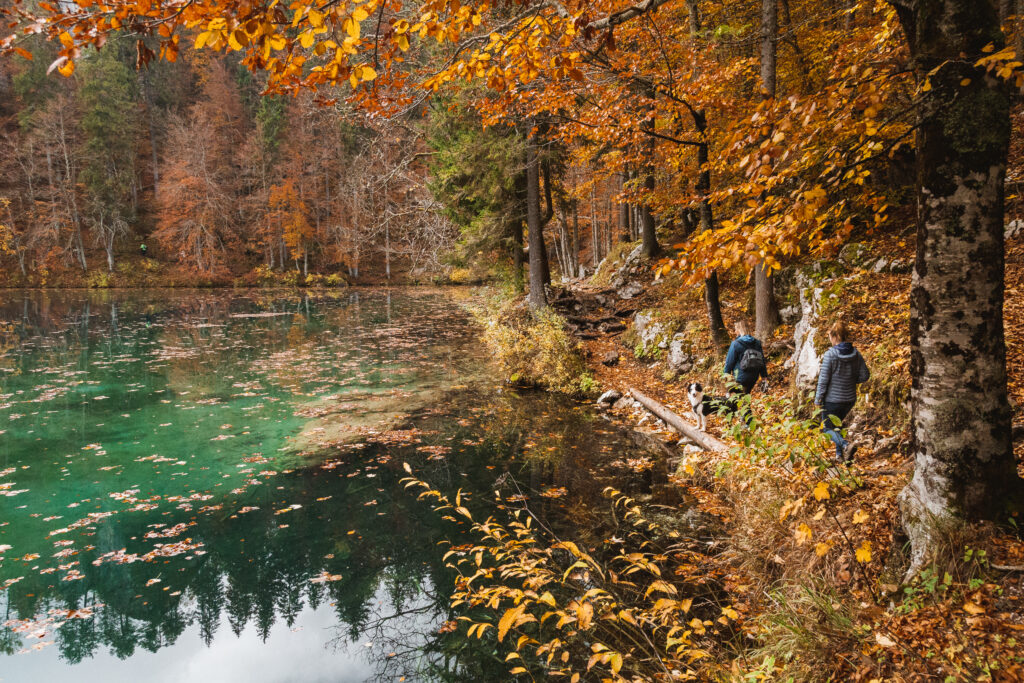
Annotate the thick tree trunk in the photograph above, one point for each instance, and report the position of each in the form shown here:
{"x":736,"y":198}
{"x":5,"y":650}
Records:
{"x":1018,"y":44}
{"x":648,"y":237}
{"x":964,"y":465}
{"x":766,"y":309}
{"x":535,"y":236}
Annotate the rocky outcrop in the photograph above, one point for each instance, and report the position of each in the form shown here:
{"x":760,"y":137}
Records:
{"x":805,"y":359}
{"x":629,"y":278}
{"x":649,"y":333}
{"x":679,"y":359}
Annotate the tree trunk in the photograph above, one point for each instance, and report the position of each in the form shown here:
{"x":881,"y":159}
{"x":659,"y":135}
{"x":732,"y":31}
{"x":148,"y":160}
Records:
{"x":517,"y":234}
{"x":766,"y":310}
{"x":648,"y":238}
{"x":535,"y":236}
{"x":1018,"y":44}
{"x":624,"y":235}
{"x":711,"y":297}
{"x":964,"y":464}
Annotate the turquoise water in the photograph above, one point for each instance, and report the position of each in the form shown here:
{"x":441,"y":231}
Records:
{"x":198,"y":484}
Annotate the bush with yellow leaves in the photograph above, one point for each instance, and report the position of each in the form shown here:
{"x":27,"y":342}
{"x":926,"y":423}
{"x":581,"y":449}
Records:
{"x":535,"y":349}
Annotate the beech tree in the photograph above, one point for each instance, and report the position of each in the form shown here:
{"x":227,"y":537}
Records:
{"x":964,"y":464}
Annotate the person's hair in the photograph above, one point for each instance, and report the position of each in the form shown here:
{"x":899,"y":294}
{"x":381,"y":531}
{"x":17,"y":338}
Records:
{"x":839,"y":331}
{"x":742,"y":327}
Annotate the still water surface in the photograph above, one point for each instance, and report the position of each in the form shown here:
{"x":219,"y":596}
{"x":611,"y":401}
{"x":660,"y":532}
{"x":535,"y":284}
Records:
{"x":205,"y":486}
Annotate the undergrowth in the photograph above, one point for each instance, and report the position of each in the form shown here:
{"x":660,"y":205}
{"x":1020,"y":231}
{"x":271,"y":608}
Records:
{"x":534,"y":348}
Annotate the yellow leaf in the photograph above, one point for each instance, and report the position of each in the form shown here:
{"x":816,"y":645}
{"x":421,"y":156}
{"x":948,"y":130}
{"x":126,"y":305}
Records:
{"x":509,"y":618}
{"x":517,"y":670}
{"x":803,"y":534}
{"x":201,"y":39}
{"x":306,"y":39}
{"x":616,"y":662}
{"x":67,"y":68}
{"x":368,"y":74}
{"x":821,"y":491}
{"x":821,"y":548}
{"x":731,"y":613}
{"x":859,"y":517}
{"x":973,"y":608}
{"x":819,"y":514}
{"x":360,"y":14}
{"x":403,"y":42}
{"x":864,"y":552}
{"x":965,"y":82}
{"x":352,"y":28}
{"x":584,"y":615}
{"x":66,"y":40}
{"x":547,"y":599}
{"x":237,"y":39}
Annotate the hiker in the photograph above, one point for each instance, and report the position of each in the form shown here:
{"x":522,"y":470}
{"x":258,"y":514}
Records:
{"x":842,"y":369}
{"x":143,"y":249}
{"x":745,"y":362}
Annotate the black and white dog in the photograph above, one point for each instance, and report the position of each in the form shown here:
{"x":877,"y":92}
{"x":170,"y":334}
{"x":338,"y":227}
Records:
{"x":701,"y":406}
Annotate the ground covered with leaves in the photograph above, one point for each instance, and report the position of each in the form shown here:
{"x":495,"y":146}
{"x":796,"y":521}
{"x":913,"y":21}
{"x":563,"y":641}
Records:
{"x":814,"y":556}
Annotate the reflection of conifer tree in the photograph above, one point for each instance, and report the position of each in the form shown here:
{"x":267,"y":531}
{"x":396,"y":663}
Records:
{"x":239,"y":603}
{"x":118,"y":632}
{"x":209,"y":592}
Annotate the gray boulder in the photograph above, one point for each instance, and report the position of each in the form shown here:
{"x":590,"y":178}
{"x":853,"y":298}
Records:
{"x":679,"y":359}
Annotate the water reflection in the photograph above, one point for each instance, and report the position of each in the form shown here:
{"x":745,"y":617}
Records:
{"x":214,"y":476}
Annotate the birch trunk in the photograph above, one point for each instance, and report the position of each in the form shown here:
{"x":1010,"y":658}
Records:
{"x":964,"y":465}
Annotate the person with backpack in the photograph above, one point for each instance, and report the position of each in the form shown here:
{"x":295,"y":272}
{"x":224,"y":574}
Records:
{"x":842,"y":369}
{"x":745,"y":362}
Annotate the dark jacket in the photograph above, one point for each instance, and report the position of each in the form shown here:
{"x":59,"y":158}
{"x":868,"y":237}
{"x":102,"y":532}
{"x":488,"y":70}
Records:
{"x":842,"y":369}
{"x":732,"y":361}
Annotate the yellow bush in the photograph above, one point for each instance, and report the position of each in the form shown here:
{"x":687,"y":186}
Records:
{"x":536,"y":349}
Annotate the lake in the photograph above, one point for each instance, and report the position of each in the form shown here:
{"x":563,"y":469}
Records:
{"x":208,"y":483}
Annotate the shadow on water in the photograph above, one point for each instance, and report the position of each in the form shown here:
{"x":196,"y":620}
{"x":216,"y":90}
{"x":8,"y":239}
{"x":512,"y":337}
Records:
{"x":187,"y":473}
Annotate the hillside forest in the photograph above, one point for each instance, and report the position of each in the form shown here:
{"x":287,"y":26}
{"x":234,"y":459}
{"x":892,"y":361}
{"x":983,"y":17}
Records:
{"x":629,"y":179}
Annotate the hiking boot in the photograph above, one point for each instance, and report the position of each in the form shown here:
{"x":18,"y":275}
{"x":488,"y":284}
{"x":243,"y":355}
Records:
{"x":849,"y":453}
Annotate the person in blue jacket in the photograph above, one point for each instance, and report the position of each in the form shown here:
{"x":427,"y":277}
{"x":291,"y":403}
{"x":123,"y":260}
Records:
{"x":842,"y":369}
{"x":745,"y":362}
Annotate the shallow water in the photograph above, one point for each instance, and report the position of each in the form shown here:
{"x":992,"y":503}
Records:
{"x":207,"y":484}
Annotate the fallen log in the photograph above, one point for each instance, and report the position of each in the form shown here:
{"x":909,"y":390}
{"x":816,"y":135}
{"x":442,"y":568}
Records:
{"x":705,"y":441}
